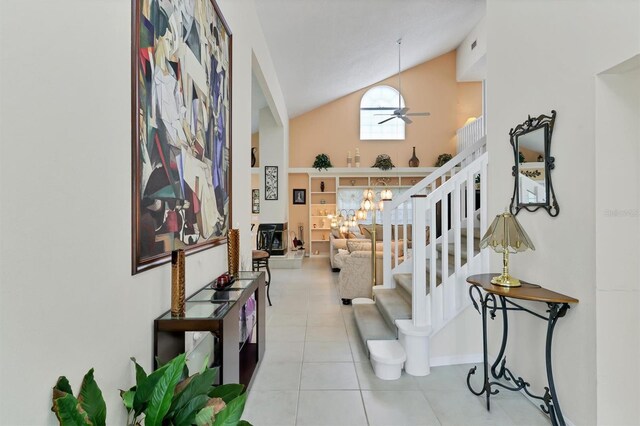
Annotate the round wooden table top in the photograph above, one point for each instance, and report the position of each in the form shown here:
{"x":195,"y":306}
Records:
{"x":527,"y":291}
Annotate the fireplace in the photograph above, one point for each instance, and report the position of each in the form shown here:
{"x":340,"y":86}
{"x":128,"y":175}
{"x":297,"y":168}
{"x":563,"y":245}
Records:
{"x":280,"y":238}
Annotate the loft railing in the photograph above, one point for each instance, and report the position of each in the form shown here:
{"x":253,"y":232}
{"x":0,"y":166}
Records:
{"x":471,"y":133}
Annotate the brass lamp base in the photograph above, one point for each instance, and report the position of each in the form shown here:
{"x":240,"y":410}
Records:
{"x":506,"y":280}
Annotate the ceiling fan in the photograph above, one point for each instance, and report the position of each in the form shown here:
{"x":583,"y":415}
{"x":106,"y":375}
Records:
{"x":401,"y":113}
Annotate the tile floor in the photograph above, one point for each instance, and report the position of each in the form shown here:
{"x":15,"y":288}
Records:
{"x":315,"y":372}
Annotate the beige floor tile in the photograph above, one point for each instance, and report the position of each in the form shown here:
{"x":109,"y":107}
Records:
{"x":398,"y":408}
{"x":278,"y":376}
{"x":330,"y":408}
{"x":267,"y":408}
{"x":327,"y":352}
{"x":328,"y":376}
{"x":326,"y":334}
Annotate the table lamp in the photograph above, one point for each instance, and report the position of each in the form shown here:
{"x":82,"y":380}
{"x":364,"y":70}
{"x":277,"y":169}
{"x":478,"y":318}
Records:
{"x":506,"y":234}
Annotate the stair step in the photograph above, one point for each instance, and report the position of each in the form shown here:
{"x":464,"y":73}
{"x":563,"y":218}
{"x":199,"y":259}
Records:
{"x":463,"y":252}
{"x":476,"y":232}
{"x":392,"y":305}
{"x":405,"y":283}
{"x":371,"y":325}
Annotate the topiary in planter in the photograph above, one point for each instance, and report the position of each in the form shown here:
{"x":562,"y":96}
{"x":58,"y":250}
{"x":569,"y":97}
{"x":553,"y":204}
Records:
{"x":442,"y":159}
{"x":383,"y":162}
{"x":322,"y":161}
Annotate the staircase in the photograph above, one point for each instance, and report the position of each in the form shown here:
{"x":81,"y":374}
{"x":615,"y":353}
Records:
{"x":445,"y":214}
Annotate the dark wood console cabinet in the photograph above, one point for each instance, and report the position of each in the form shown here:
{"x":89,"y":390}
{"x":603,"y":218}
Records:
{"x":229,"y":316}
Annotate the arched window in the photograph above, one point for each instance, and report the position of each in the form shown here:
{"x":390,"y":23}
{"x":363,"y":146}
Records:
{"x":380,"y":100}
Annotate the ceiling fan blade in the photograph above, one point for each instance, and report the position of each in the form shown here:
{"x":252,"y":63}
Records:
{"x":385,"y":114}
{"x":423,"y":114}
{"x":406,"y":119}
{"x":390,"y":118}
{"x":402,"y":111}
{"x":378,"y":108}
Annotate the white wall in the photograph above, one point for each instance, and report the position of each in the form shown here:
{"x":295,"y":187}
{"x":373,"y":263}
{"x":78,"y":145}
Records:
{"x":617,"y":249}
{"x":67,"y":299}
{"x":471,"y":64}
{"x":273,"y":148}
{"x":544,"y":55}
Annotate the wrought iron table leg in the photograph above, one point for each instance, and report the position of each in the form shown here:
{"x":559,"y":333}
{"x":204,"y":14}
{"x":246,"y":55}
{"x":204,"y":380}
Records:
{"x":503,"y":345}
{"x":555,"y":413}
{"x":486,"y":385}
{"x":268,"y":282}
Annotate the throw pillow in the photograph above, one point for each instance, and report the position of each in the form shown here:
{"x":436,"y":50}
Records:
{"x":358,"y":245}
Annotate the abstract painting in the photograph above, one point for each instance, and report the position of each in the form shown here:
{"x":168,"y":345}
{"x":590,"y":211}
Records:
{"x":181,"y":129}
{"x":270,"y":182}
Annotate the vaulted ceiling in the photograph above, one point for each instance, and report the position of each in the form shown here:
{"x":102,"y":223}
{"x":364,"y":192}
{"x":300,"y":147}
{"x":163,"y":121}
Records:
{"x":325,"y":49}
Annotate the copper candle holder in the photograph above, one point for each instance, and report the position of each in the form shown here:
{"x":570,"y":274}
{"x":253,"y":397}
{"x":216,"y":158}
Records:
{"x":233,"y":251}
{"x":177,"y":283}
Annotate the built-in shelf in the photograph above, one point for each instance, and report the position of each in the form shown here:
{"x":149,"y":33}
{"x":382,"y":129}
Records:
{"x":363,"y":171}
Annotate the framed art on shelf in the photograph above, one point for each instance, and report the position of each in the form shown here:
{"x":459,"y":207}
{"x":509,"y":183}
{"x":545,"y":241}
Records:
{"x":181,"y":129}
{"x":255,"y":201}
{"x":270,"y":182}
{"x":299,"y":196}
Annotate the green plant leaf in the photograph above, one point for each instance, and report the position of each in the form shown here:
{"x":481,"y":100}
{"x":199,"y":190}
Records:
{"x":205,"y":364}
{"x":140,"y":373}
{"x":144,"y":389}
{"x":63,"y":385}
{"x":230,"y":415}
{"x":91,"y":400}
{"x":68,"y":410}
{"x":127,"y":398}
{"x":205,"y":416}
{"x":187,"y":415}
{"x":244,"y":423}
{"x":162,"y":393}
{"x":200,"y":384}
{"x":227,"y":392}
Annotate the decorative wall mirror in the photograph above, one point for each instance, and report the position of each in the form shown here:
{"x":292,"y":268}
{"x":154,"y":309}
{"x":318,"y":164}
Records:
{"x":531,"y":142}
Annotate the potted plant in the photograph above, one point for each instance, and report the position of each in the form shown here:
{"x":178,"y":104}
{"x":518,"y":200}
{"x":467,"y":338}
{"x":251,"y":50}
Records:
{"x":383,"y":162}
{"x":442,"y":159}
{"x":167,"y":396}
{"x":322,"y":161}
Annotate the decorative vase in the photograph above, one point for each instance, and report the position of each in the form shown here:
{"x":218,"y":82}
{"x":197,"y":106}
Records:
{"x":349,"y":159}
{"x":253,"y":157}
{"x":233,"y":251}
{"x":414,"y":161}
{"x":321,"y":186}
{"x":357,"y":157}
{"x":177,"y":283}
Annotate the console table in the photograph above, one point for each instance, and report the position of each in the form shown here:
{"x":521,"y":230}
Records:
{"x":231,"y":315}
{"x":487,"y":302}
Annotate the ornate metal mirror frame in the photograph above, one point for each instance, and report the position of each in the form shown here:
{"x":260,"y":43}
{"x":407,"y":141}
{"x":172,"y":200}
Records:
{"x":532,"y":185}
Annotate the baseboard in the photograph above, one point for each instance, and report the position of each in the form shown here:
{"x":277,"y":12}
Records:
{"x":438,"y":361}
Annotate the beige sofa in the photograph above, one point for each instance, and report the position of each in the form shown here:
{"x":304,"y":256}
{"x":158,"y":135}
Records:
{"x":355,"y":268}
{"x":339,"y":243}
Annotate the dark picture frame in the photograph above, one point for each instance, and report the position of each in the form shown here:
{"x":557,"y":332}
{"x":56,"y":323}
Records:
{"x":181,"y":129}
{"x":270,"y":182}
{"x":299,"y":196}
{"x":255,"y":201}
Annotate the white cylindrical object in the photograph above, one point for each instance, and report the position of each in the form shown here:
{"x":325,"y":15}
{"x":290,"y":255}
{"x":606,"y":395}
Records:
{"x":387,"y":357}
{"x":415,"y":341}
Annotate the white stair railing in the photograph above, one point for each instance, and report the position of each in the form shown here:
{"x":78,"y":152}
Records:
{"x":398,"y":213}
{"x":445,"y":297}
